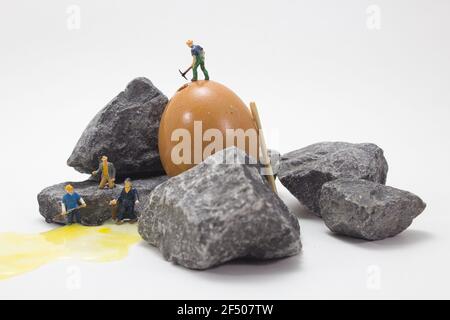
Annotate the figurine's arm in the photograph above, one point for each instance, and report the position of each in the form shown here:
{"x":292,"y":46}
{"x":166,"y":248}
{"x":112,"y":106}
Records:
{"x":136,"y":196}
{"x":113,"y":172}
{"x":113,"y":202}
{"x":193,"y":60}
{"x":83,"y":204}
{"x":63,"y":208}
{"x":120,"y":198}
{"x":94,"y":173}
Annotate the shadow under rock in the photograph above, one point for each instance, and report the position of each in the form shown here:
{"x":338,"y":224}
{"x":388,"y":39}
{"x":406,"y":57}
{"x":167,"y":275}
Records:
{"x":255,"y":269}
{"x":239,"y":268}
{"x":298,"y":209}
{"x":295,"y":206}
{"x":406,"y":238}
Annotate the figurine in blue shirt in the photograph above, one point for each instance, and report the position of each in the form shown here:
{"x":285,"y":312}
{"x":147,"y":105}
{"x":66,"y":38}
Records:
{"x":71,"y":203}
{"x":198,"y":60}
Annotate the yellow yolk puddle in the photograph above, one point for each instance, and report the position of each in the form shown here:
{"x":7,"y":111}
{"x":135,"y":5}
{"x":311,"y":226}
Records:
{"x":21,"y":253}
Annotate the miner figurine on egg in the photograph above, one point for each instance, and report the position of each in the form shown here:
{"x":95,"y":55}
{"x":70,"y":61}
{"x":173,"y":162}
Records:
{"x":204,"y":117}
{"x":198,"y":60}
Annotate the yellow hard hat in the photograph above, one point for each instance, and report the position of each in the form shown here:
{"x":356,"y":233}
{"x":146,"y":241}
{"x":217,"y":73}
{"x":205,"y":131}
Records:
{"x":69,"y":188}
{"x":189,"y":42}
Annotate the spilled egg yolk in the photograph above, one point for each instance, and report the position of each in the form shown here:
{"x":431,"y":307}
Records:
{"x":21,"y":253}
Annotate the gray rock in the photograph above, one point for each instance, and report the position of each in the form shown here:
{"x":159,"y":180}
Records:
{"x":98,"y":210}
{"x":126,"y":131}
{"x":275,"y":160}
{"x":367,"y":210}
{"x":304,"y":171}
{"x":217,"y":212}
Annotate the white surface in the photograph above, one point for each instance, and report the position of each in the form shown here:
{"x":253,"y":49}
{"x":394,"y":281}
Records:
{"x":316,"y":71}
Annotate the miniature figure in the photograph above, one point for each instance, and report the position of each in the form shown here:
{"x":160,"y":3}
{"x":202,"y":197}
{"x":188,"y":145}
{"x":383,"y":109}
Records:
{"x":108,"y":173}
{"x":70,"y":205}
{"x":198,"y":60}
{"x":126,"y":202}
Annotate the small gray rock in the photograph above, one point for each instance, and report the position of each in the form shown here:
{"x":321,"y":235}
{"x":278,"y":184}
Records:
{"x":304,"y":171}
{"x":217,"y":212}
{"x":98,"y":210}
{"x":275,"y":160}
{"x":126,"y":131}
{"x":367,"y":210}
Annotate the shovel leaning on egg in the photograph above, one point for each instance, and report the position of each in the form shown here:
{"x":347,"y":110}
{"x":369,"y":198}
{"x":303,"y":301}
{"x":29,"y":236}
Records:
{"x":262,"y":143}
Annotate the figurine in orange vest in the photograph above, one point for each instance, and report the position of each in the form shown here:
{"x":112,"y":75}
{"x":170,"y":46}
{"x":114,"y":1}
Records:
{"x":108,"y":173}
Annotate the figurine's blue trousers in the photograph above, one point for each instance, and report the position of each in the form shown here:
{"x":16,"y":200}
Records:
{"x":74,"y":217}
{"x":126,"y":211}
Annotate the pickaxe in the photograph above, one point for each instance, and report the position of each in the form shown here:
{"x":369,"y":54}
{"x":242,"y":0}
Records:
{"x":183,"y":74}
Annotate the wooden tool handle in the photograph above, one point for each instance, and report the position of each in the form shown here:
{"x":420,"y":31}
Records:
{"x":262,"y":143}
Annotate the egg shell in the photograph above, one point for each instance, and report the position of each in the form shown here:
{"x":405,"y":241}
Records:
{"x":217,"y":107}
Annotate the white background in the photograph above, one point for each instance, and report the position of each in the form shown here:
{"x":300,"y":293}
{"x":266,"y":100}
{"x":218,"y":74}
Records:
{"x":317,"y":71}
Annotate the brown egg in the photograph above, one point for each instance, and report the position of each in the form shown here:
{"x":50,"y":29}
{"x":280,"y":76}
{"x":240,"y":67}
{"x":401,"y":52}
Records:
{"x":193,"y":110}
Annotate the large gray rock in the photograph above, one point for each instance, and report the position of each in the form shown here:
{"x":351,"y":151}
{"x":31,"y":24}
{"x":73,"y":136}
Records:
{"x":304,"y":171}
{"x":367,"y":210}
{"x":217,"y":212}
{"x":126,"y":131}
{"x":98,"y":210}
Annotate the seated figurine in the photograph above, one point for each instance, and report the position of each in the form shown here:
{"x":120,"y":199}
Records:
{"x":71,"y":203}
{"x":107,"y":173}
{"x":126,"y":201}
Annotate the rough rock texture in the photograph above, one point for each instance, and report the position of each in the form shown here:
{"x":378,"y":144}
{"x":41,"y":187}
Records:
{"x":217,"y":212}
{"x":304,"y":171}
{"x":275,"y":160}
{"x":98,"y":209}
{"x":367,"y":210}
{"x":126,"y":131}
